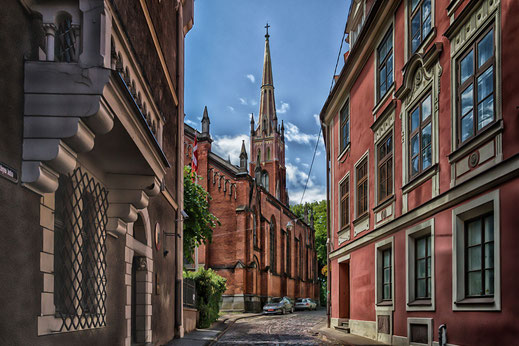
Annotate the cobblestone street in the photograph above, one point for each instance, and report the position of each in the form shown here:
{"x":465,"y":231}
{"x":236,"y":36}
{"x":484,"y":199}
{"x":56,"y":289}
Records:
{"x":290,"y":329}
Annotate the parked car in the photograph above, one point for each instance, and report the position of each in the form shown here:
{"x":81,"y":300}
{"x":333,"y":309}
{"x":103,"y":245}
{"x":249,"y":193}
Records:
{"x":305,"y":304}
{"x":279,"y":306}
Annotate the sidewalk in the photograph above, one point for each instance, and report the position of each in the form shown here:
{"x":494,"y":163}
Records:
{"x":338,"y":337}
{"x":202,"y":337}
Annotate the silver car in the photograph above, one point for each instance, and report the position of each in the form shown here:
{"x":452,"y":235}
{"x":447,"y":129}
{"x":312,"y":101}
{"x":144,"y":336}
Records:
{"x":278,"y":306}
{"x":305,"y":304}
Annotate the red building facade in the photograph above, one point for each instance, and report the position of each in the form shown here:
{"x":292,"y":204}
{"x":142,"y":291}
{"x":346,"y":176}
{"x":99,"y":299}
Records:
{"x":423,"y":161}
{"x":261,"y":247}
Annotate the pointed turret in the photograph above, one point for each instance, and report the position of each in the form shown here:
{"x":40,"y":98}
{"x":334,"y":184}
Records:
{"x":282,"y":131}
{"x":205,"y":124}
{"x":252,"y":124}
{"x":268,"y":117}
{"x":243,"y":157}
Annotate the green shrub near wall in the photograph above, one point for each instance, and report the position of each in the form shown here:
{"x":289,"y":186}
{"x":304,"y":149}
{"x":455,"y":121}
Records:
{"x":209,"y":289}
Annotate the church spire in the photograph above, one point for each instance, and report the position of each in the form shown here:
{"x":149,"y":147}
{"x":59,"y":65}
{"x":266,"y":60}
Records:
{"x":268,"y":118}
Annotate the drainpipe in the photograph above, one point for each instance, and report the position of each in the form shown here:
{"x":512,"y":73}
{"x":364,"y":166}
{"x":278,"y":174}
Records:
{"x":179,"y":313}
{"x":328,"y":231}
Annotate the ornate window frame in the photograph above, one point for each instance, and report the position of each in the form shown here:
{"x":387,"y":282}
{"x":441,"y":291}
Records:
{"x":421,"y":76}
{"x":485,"y":149}
{"x":427,"y":39}
{"x":413,"y":233}
{"x":380,"y":304}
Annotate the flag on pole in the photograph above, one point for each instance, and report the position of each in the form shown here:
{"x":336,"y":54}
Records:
{"x":194,"y":158}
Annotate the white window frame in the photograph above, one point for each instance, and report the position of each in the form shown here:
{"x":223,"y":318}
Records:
{"x":428,"y":39}
{"x":379,"y":102}
{"x":383,"y":135}
{"x":343,"y":235}
{"x":380,"y":246}
{"x":364,"y":156}
{"x":418,"y":320}
{"x":424,"y":228}
{"x":479,"y":206}
{"x":342,"y":152}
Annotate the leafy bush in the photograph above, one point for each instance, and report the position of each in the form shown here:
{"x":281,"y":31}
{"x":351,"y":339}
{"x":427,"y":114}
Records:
{"x":209,"y":289}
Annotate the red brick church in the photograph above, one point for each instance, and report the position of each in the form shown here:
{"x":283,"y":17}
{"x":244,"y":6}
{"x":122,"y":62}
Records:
{"x":261,"y":247}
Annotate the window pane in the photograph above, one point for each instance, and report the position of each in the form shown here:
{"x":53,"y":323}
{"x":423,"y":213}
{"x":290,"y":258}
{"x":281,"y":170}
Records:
{"x":389,"y":68}
{"x":485,"y":83}
{"x":467,"y":100}
{"x":426,"y":108}
{"x":426,"y":157}
{"x":420,"y":289}
{"x":485,"y":48}
{"x":415,"y":43}
{"x":420,"y":247}
{"x":489,"y":255}
{"x":467,"y":126}
{"x":415,"y":119}
{"x":426,"y":26}
{"x":489,"y":228}
{"x":486,"y":112}
{"x":414,"y":165}
{"x":467,"y":67}
{"x":489,"y":281}
{"x":426,"y":135}
{"x":389,"y":144}
{"x":426,"y":17}
{"x":387,"y":275}
{"x":420,"y":268}
{"x":474,"y":284}
{"x":474,"y":258}
{"x":387,"y":258}
{"x":348,"y":131}
{"x":387,"y":292}
{"x":414,"y":3}
{"x":474,"y":232}
{"x":415,"y":145}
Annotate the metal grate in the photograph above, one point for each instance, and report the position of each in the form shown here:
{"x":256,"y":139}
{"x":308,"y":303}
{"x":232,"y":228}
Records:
{"x":66,"y":41}
{"x":80,"y":258}
{"x":189,"y":293}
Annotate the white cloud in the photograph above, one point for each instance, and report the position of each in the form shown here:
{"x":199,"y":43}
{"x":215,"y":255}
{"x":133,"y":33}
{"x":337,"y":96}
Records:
{"x":191,"y":123}
{"x":292,"y":134}
{"x":251,"y":77}
{"x":296,"y":180}
{"x":254,"y":102}
{"x":226,"y":146}
{"x":243,"y":101}
{"x":317,"y":120}
{"x":298,"y":159}
{"x":284,"y":108}
{"x":231,"y":108}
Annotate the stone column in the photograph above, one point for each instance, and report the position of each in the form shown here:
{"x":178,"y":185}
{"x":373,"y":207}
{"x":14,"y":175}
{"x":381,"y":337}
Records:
{"x":50,"y":33}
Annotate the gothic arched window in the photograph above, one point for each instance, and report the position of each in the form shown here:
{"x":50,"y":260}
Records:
{"x":254,"y":229}
{"x":272,"y":246}
{"x":65,"y":39}
{"x":265,"y":180}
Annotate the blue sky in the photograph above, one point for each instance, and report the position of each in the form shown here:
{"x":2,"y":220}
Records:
{"x":223,"y":66}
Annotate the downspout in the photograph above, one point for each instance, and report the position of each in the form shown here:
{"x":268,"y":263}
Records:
{"x":179,"y":310}
{"x":328,"y":231}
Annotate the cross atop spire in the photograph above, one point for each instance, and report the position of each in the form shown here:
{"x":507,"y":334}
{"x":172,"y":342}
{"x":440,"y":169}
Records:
{"x":267,"y":27}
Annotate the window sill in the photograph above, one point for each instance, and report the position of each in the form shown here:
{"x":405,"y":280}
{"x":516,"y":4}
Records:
{"x":384,"y":203}
{"x":383,"y":100}
{"x":343,"y":152}
{"x":385,"y":303}
{"x":420,"y":302}
{"x":470,"y":145}
{"x":420,"y":178}
{"x":476,"y":300}
{"x":361,"y":218}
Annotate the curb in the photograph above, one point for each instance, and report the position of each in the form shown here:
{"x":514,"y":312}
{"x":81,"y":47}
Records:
{"x":231,"y":323}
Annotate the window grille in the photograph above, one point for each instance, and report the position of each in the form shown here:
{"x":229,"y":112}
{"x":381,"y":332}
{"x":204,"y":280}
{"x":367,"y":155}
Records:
{"x":80,"y":257}
{"x":66,"y":48}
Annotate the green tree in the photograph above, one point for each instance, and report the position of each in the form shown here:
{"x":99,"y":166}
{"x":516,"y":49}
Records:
{"x":319,"y":211}
{"x":198,"y":227}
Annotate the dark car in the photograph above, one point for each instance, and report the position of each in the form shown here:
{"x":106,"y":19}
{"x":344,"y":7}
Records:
{"x":305,"y":304}
{"x":278,"y":306}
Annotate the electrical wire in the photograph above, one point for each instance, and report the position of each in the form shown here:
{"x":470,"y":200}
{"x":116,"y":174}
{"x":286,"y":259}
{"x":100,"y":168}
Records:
{"x":312,"y":164}
{"x":337,"y":62}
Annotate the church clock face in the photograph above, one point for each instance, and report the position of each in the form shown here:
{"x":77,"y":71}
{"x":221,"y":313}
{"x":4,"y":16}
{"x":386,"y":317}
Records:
{"x":157,"y":236}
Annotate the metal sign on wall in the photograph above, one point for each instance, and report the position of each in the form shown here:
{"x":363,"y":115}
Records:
{"x":8,"y":172}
